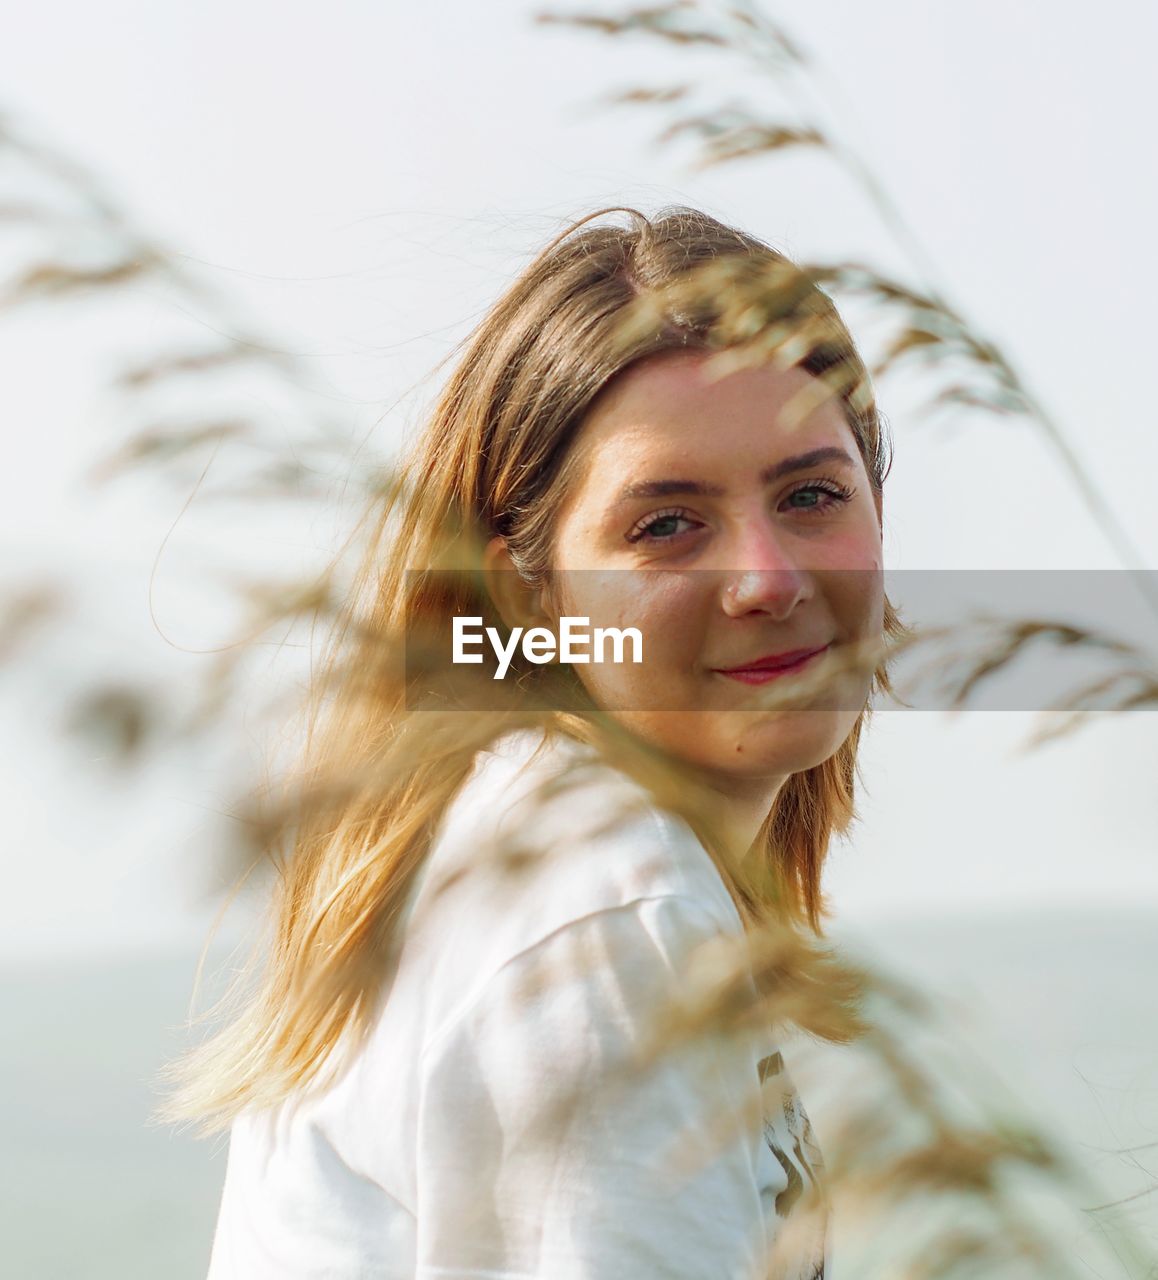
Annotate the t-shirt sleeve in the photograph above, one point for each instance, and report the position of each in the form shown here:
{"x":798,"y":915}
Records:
{"x":547,"y":1150}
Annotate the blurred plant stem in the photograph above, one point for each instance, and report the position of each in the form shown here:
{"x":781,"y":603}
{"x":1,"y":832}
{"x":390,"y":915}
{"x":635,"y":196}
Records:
{"x":747,"y":30}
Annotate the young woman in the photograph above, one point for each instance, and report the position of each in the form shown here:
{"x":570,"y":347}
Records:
{"x":488,"y":1040}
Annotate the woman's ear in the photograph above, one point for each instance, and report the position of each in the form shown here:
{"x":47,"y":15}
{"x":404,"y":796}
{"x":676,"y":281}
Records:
{"x":518,"y":604}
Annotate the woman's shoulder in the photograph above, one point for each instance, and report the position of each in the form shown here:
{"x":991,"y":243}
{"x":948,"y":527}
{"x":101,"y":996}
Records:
{"x":550,"y":812}
{"x":543,"y":834}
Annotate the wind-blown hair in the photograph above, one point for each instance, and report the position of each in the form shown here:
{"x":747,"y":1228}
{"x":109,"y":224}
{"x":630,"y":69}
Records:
{"x":379,"y":765}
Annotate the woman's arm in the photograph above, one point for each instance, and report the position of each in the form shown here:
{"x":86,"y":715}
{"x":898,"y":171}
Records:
{"x":543,"y":1153}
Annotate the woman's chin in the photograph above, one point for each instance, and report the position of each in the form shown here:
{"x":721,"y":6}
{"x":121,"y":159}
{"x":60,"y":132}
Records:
{"x":745,"y":743}
{"x":754,"y":743}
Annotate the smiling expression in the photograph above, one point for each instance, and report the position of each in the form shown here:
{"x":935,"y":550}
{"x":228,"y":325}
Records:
{"x":750,"y":510}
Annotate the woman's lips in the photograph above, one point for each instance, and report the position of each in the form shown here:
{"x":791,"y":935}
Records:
{"x":761,"y":675}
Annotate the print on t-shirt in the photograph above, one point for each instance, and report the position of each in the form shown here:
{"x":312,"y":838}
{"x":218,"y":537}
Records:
{"x":788,"y":1133}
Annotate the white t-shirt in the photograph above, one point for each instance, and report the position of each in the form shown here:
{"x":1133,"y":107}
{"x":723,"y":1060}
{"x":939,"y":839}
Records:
{"x":493,"y":1126}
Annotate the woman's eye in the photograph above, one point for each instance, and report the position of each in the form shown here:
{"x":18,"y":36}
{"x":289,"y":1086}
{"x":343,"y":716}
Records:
{"x":660,"y":527}
{"x":819,"y":495}
{"x":814,"y":496}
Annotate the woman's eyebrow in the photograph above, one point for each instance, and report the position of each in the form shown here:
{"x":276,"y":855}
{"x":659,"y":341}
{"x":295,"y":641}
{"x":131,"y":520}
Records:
{"x":798,"y":462}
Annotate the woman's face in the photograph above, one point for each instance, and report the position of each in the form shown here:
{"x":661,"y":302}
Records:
{"x":713,"y":520}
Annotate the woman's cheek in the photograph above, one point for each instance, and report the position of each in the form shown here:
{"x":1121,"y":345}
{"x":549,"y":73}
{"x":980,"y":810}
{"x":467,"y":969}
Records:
{"x":666,"y":617}
{"x":851,"y":548}
{"x":669,"y":614}
{"x":657,"y":602}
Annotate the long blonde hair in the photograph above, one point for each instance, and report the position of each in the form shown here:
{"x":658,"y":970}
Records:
{"x":380,"y":765}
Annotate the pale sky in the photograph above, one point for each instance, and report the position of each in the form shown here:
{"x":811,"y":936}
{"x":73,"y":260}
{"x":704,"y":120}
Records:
{"x":359,"y":183}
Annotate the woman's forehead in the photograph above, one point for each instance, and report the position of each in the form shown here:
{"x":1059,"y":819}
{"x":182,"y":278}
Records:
{"x":672,"y":405}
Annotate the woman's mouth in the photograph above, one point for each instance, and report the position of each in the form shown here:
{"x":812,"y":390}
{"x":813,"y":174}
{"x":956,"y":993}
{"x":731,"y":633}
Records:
{"x":762,"y":674}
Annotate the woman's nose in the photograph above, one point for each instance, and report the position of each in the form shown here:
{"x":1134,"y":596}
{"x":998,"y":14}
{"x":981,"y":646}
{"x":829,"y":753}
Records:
{"x":762,"y":574}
